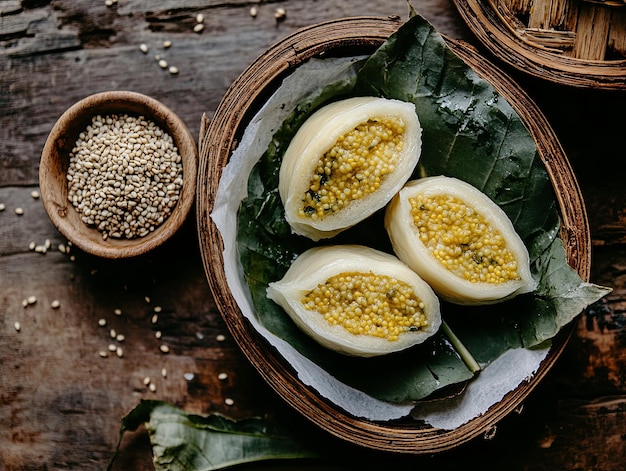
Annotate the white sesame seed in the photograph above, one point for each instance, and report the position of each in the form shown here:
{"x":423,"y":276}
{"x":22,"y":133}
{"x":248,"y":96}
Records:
{"x":158,"y":308}
{"x":34,"y":194}
{"x":147,"y":299}
{"x":164,"y":348}
{"x":163,"y":64}
{"x":222,"y":376}
{"x":152,"y":387}
{"x":167,"y":44}
{"x":155,"y":318}
{"x":112,"y":333}
{"x":47,"y":244}
{"x":102,"y":322}
{"x":117,"y":312}
{"x":119,"y":352}
{"x":198,"y":28}
{"x":55,"y":304}
{"x":25,"y":302}
{"x":72,"y":258}
{"x":254,"y":12}
{"x":199,"y":18}
{"x":103,"y":354}
{"x":158,"y":334}
{"x":120,"y":337}
{"x":143,"y":48}
{"x":146,"y":380}
{"x":17,"y":326}
{"x":2,"y":207}
{"x":164,"y":372}
{"x":280,"y":14}
{"x":112,"y":347}
{"x":173,"y":70}
{"x":220,"y":338}
{"x":188,"y":376}
{"x":19,"y":211}
{"x":108,"y":3}
{"x":62,"y":248}
{"x":32,"y":246}
{"x":31,"y":300}
{"x":228,"y":401}
{"x":41,"y":249}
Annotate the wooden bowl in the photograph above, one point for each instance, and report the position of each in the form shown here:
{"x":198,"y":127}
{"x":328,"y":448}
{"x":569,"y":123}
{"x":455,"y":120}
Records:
{"x":349,"y":37}
{"x":581,"y":44}
{"x":55,"y":160}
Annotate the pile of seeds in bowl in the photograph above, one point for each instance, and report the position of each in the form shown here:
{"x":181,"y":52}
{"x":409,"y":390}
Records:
{"x":124,"y":176}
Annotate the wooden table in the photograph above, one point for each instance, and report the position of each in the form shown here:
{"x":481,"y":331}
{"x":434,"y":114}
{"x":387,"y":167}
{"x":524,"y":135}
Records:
{"x":61,"y":402}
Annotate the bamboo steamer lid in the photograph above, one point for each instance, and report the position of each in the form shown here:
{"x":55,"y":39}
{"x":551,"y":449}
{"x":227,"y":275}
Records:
{"x":218,"y":138}
{"x":581,"y":43}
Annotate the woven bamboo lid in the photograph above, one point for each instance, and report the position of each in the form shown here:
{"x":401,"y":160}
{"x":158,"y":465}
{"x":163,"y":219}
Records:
{"x":218,"y":139}
{"x":580,"y":43}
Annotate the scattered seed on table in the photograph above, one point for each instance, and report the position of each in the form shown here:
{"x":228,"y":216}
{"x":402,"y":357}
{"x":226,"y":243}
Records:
{"x":31,"y":299}
{"x":173,"y":70}
{"x":163,"y":64}
{"x":17,"y":326}
{"x":112,"y":333}
{"x":32,"y":246}
{"x":228,"y":401}
{"x":24,"y":302}
{"x":41,"y":249}
{"x":158,"y":309}
{"x":199,"y":18}
{"x":254,"y":12}
{"x":19,"y":211}
{"x":2,"y":207}
{"x":147,"y":299}
{"x":102,"y":322}
{"x":117,"y":312}
{"x":146,"y":380}
{"x":103,"y":354}
{"x":119,"y":352}
{"x":62,"y":248}
{"x":112,"y":347}
{"x":198,"y":28}
{"x":158,"y":334}
{"x":120,"y":337}
{"x":167,"y":44}
{"x":220,"y":338}
{"x":280,"y":14}
{"x":188,"y":376}
{"x":164,"y":348}
{"x":155,"y":318}
{"x":164,"y":372}
{"x":152,"y":387}
{"x":55,"y":304}
{"x":222,"y":376}
{"x":34,"y":194}
{"x":143,"y":48}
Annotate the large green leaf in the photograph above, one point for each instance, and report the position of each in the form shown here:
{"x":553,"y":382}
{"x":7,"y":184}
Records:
{"x":469,"y":132}
{"x":189,"y":442}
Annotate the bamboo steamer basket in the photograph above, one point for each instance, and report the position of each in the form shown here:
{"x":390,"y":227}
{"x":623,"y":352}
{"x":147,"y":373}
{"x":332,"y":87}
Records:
{"x":353,"y":36}
{"x":581,"y":43}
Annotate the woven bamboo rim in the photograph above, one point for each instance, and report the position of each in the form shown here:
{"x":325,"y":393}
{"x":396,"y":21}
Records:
{"x":218,"y":139}
{"x":580,"y":43}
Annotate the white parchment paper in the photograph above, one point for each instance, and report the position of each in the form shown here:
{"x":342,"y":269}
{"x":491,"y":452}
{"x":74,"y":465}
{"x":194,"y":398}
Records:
{"x":500,"y":377}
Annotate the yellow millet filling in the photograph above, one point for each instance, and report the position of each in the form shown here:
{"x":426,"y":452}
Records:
{"x":462,"y":240}
{"x":354,"y":167}
{"x":368,"y":304}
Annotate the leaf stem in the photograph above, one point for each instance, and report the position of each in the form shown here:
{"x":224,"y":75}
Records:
{"x":465,"y":354}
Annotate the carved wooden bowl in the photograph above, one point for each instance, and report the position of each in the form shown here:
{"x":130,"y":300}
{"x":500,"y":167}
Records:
{"x":55,"y":160}
{"x":354,"y":36}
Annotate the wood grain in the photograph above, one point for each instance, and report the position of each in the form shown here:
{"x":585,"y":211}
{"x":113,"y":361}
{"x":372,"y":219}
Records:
{"x":61,"y":404}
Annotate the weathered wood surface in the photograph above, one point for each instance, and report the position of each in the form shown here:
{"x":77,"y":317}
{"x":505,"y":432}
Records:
{"x":61,"y":403}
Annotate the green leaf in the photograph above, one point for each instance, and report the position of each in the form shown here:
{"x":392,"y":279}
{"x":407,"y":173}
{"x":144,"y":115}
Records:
{"x":188,"y":442}
{"x":469,"y":132}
